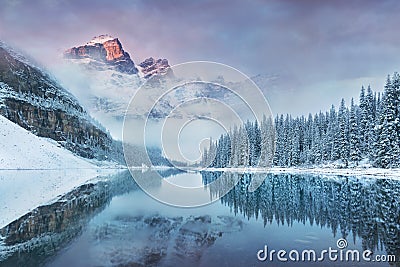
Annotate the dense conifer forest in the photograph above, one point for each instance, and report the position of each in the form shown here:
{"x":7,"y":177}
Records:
{"x":366,"y":133}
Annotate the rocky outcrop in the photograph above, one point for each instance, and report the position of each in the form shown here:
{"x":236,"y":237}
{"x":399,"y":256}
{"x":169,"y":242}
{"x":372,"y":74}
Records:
{"x":151,"y":67}
{"x":104,"y":49}
{"x":32,"y":99}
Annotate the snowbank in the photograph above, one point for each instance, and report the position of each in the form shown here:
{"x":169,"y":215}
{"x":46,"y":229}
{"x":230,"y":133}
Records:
{"x":359,"y":172}
{"x":20,"y":149}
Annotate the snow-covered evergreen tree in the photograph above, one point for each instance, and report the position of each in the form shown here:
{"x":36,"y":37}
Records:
{"x":343,"y":137}
{"x":243,"y":147}
{"x":388,"y":150}
{"x":370,"y":130}
{"x":354,"y":135}
{"x":279,"y":153}
{"x":363,"y":121}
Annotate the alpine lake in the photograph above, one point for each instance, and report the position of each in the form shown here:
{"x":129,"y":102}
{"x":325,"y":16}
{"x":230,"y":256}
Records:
{"x":346,"y":221}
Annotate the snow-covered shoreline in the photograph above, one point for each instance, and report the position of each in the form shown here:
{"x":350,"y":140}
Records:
{"x":23,"y":190}
{"x":360,"y":172}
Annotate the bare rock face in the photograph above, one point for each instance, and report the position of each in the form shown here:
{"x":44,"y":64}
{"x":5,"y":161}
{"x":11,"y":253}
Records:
{"x":152,"y":67}
{"x":104,"y":49}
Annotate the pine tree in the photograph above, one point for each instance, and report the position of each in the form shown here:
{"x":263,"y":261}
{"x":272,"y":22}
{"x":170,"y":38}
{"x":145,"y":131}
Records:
{"x":295,"y":143}
{"x":343,"y":142}
{"x":371,"y":129}
{"x":257,"y":144}
{"x":286,"y":142}
{"x":333,"y":133}
{"x":267,"y":142}
{"x":243,"y":148}
{"x":211,"y":154}
{"x":279,"y":153}
{"x":369,"y":135}
{"x":363,"y":121}
{"x":308,"y":133}
{"x":388,"y":151}
{"x":316,"y":152}
{"x":234,"y":159}
{"x":354,"y":135}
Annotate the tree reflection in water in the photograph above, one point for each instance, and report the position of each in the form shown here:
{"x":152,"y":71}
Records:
{"x":368,"y":208}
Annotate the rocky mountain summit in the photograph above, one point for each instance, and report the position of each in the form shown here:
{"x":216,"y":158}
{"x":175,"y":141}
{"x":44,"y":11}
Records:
{"x":104,"y":49}
{"x":110,"y":77}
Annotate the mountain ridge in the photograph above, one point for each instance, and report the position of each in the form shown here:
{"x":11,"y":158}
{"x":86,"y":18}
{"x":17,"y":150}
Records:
{"x":108,"y":50}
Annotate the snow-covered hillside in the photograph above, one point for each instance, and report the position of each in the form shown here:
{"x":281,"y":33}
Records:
{"x":23,"y":190}
{"x":21,"y":149}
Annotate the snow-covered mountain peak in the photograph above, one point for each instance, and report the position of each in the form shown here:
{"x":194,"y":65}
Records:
{"x":105,"y":78}
{"x":106,"y":52}
{"x":101,"y":39}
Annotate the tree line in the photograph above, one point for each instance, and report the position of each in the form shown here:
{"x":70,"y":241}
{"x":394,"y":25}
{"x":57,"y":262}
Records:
{"x":363,"y":133}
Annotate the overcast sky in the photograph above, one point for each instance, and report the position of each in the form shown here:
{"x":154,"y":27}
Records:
{"x":310,"y":52}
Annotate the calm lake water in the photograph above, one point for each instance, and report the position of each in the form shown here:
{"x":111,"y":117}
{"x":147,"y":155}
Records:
{"x":117,"y":224}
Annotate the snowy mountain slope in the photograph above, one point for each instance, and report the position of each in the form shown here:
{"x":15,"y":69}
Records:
{"x":21,"y":149}
{"x":53,"y":171}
